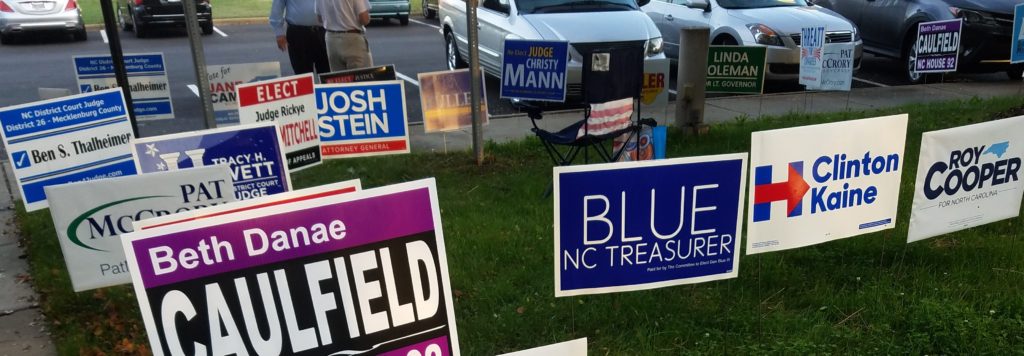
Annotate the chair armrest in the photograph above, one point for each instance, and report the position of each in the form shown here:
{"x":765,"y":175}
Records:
{"x":648,"y":122}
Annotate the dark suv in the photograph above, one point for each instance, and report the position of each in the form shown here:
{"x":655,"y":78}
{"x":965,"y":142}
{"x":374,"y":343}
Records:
{"x":142,"y":16}
{"x":889,"y":28}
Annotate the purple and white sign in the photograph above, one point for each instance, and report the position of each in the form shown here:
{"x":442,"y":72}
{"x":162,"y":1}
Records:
{"x":938,"y":46}
{"x":356,"y":273}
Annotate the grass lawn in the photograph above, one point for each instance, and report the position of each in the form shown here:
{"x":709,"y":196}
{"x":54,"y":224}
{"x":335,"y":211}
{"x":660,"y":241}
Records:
{"x":222,"y":9}
{"x":957,"y":294}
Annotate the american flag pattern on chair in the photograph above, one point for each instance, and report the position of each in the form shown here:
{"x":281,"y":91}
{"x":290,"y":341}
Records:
{"x":607,"y":117}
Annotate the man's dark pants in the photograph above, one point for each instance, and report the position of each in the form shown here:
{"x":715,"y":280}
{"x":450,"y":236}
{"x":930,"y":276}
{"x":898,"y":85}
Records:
{"x":306,"y":49}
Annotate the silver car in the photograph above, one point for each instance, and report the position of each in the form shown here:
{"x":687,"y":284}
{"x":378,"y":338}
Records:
{"x":21,"y":16}
{"x":774,"y":24}
{"x":582,"y":23}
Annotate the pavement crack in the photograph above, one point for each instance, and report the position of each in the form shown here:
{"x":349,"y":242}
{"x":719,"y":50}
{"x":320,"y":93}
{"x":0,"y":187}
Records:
{"x":8,"y":312}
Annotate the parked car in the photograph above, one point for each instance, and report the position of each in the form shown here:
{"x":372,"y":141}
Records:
{"x":585,"y":24}
{"x":774,"y":24}
{"x":429,"y":8}
{"x":390,"y":9}
{"x":23,"y":16}
{"x":144,"y":16}
{"x":890,"y":29}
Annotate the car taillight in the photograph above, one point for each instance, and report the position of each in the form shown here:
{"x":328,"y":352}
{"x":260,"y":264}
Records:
{"x":4,"y":7}
{"x":138,"y":2}
{"x":72,"y":4}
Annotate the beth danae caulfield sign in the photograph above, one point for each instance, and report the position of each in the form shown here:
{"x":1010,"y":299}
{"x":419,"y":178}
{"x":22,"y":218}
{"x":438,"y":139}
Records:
{"x":634,"y":226}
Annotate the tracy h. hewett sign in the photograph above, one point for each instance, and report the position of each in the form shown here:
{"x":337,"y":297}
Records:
{"x":90,"y":216}
{"x":70,"y":139}
{"x":147,"y":81}
{"x":633,"y":226}
{"x":819,"y":183}
{"x":362,"y":119}
{"x":357,"y":273}
{"x":254,"y":152}
{"x":968,"y":176}
{"x":290,"y":103}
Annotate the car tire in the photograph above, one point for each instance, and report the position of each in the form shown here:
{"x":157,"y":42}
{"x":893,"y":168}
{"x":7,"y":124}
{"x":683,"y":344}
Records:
{"x":909,"y":58}
{"x":207,"y":28}
{"x":81,"y":35}
{"x":404,"y":20}
{"x":1015,"y":72}
{"x":427,"y":12}
{"x":140,"y":30}
{"x":725,"y":40}
{"x":451,"y":51}
{"x":5,"y":39}
{"x":125,"y":26}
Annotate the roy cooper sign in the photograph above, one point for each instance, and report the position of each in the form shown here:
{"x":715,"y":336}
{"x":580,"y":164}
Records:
{"x":633,"y":226}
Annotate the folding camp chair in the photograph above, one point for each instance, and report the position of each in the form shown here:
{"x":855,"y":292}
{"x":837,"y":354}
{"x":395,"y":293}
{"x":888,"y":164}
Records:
{"x":612,"y":77}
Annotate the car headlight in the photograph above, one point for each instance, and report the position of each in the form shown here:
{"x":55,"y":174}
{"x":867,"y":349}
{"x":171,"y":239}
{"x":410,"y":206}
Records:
{"x":765,"y":35}
{"x":655,"y":46}
{"x":973,"y":16}
{"x":856,"y":33}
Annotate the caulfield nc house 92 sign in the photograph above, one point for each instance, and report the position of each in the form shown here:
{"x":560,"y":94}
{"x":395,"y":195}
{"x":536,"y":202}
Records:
{"x":826,"y":182}
{"x":633,"y":226}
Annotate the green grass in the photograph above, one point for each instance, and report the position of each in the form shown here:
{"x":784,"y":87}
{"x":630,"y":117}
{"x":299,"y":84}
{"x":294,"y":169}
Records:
{"x":222,"y":9}
{"x":957,"y":294}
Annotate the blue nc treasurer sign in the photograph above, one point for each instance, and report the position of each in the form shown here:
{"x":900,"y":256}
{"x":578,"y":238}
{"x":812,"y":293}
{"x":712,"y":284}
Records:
{"x":534,"y":70}
{"x":1017,"y":44}
{"x":360,"y":111}
{"x":633,"y":226}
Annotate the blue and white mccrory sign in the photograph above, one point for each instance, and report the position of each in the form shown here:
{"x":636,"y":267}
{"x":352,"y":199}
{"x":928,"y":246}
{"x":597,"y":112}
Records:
{"x":362,"y":119}
{"x":534,"y":70}
{"x":70,"y":139}
{"x":1017,"y":43}
{"x":643,"y":225}
{"x":254,"y":152}
{"x":147,"y":80}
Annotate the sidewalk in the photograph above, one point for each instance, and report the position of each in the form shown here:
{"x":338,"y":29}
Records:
{"x":725,"y":109}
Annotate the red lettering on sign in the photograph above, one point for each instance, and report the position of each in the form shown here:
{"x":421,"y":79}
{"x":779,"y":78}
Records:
{"x":360,"y":148}
{"x":265,"y":92}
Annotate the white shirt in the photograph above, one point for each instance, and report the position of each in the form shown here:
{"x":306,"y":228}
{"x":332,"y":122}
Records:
{"x":342,"y":15}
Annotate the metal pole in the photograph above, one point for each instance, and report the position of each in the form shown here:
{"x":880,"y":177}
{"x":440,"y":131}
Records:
{"x":117,"y":55}
{"x":199,"y":61}
{"x":475,"y":79}
{"x":692,"y":78}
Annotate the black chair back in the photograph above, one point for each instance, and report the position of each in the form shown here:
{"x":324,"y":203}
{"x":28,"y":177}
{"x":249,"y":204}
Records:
{"x":612,"y":71}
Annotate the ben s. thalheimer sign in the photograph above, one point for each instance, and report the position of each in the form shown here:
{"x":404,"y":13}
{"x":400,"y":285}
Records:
{"x":968,"y":176}
{"x":254,"y":152}
{"x":357,"y":273}
{"x":938,"y":46}
{"x":534,"y":70}
{"x":147,"y":81}
{"x":64,"y":140}
{"x":290,"y":103}
{"x":362,"y":119}
{"x":651,"y":224}
{"x":90,"y":216}
{"x":812,"y":48}
{"x":819,"y":183}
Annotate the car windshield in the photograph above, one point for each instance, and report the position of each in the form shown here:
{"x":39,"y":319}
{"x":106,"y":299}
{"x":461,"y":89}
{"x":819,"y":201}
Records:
{"x":754,"y":4}
{"x":552,"y":6}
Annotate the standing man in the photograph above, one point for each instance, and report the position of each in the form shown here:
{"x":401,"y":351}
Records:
{"x":345,"y":22}
{"x":303,"y":38}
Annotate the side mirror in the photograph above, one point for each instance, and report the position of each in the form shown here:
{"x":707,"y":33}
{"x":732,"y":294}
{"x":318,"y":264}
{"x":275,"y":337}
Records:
{"x":641,"y":3}
{"x":699,"y":4}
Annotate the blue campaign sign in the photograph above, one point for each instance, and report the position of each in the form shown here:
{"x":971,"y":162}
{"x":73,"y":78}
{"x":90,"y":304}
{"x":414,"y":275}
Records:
{"x":643,"y":225}
{"x":64,"y":140}
{"x":1017,"y":45}
{"x":258,"y":165}
{"x":534,"y":70}
{"x":147,"y":80}
{"x":362,"y":119}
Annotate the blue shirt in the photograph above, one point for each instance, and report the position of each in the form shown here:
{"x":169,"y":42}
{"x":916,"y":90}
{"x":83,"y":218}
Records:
{"x":296,"y":12}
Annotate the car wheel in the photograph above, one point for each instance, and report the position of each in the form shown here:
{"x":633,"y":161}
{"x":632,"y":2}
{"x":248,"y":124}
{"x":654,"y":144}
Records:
{"x":404,"y":20}
{"x":207,"y":28}
{"x":725,"y":41}
{"x":1015,"y":72}
{"x":454,"y":59}
{"x":140,"y":29}
{"x":910,"y":62}
{"x":427,"y":12}
{"x":125,"y":25}
{"x":81,"y":35}
{"x":5,"y":39}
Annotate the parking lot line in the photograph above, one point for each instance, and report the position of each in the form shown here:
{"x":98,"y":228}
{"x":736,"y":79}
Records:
{"x":870,"y":82}
{"x":425,"y":24}
{"x":219,"y":32}
{"x":194,"y":89}
{"x":408,"y":79}
{"x":103,"y":33}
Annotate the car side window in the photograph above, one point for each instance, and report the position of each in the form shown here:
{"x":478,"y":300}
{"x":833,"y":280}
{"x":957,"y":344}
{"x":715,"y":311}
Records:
{"x":501,"y":6}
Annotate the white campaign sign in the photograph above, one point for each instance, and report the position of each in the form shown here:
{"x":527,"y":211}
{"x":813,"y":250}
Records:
{"x":224,"y":79}
{"x":812,"y":43}
{"x":819,"y":183}
{"x":836,"y":67}
{"x":288,"y":102}
{"x":576,"y":347}
{"x":968,"y":176}
{"x":90,"y":216}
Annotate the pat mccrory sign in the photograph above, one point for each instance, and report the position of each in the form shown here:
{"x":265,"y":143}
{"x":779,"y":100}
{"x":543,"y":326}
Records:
{"x":736,"y":69}
{"x":147,"y":81}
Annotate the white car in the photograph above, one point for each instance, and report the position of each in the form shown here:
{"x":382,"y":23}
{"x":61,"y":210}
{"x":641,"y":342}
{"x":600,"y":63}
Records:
{"x":22,"y":16}
{"x":774,"y":24}
{"x":585,"y":24}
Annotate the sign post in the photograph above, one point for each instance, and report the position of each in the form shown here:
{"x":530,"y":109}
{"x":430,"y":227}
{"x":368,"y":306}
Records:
{"x":195,"y":43}
{"x":114,"y":42}
{"x":475,"y":77}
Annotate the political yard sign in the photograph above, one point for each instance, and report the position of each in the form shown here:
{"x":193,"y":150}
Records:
{"x":643,"y":225}
{"x":370,"y":74}
{"x":290,"y":103}
{"x":836,"y":68}
{"x":819,"y":183}
{"x":736,"y":69}
{"x":147,"y":80}
{"x":362,"y":119}
{"x":938,"y":46}
{"x":1017,"y":44}
{"x":224,"y":79}
{"x":812,"y":49}
{"x":534,"y":70}
{"x":968,"y":176}
{"x":90,"y":216}
{"x":357,"y":273}
{"x":64,"y":140}
{"x":445,"y":98}
{"x":254,"y":152}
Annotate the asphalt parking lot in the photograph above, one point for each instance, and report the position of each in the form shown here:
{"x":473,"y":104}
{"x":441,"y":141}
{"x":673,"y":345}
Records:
{"x":45,"y":61}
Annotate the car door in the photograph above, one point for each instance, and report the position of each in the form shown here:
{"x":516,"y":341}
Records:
{"x":493,"y":17}
{"x":669,"y":16}
{"x":881,"y":24}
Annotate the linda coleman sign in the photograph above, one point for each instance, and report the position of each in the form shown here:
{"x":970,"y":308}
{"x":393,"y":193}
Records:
{"x":357,"y":273}
{"x":633,"y":226}
{"x":826,"y":182}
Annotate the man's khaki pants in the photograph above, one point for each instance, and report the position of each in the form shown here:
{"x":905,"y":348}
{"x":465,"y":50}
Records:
{"x":348,"y":51}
